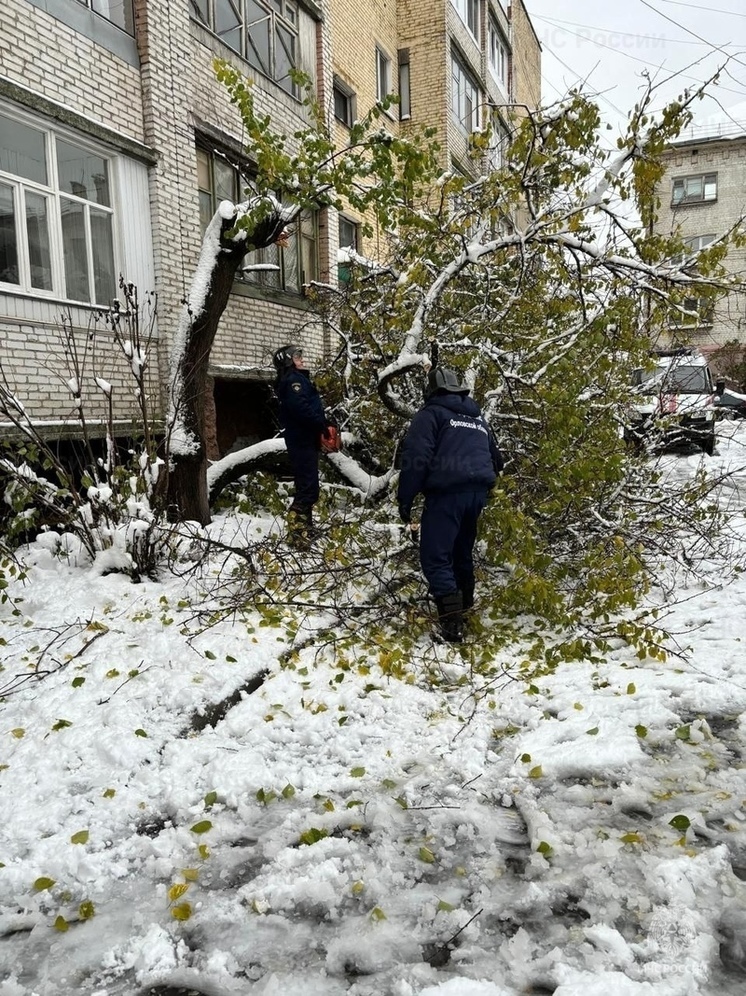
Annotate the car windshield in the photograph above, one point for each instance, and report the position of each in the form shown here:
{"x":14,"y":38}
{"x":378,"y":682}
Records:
{"x":680,"y":379}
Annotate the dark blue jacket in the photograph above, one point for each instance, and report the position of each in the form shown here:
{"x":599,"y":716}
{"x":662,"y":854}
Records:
{"x":301,"y":411}
{"x":448,"y":448}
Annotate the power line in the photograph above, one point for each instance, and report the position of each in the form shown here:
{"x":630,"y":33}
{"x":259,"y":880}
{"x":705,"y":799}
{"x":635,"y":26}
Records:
{"x":699,"y":6}
{"x":607,"y":31}
{"x":634,"y":58}
{"x":714,"y":48}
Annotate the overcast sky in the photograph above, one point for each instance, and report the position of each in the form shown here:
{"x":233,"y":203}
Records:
{"x":610,"y":45}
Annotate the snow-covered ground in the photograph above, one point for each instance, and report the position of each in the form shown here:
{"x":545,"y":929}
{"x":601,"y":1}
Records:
{"x":206,"y":811}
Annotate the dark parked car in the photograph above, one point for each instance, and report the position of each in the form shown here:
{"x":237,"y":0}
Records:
{"x":728,"y":403}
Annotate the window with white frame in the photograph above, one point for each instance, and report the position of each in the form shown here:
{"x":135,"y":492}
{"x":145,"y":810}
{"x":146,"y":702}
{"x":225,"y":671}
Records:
{"x":56,"y":215}
{"x":264,"y":32}
{"x":344,"y":102}
{"x":695,"y":189}
{"x":464,"y":96}
{"x":469,"y":13}
{"x":498,"y":142}
{"x":405,"y":96}
{"x":349,"y":233}
{"x":383,"y":74}
{"x":700,"y":311}
{"x":693,"y":245}
{"x":119,"y":12}
{"x":285,"y":267}
{"x":697,"y":242}
{"x":498,"y":54}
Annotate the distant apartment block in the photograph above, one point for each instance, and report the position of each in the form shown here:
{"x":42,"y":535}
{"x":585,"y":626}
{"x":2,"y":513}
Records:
{"x":703,"y":195}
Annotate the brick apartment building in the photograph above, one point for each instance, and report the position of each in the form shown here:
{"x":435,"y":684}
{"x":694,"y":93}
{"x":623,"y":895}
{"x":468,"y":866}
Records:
{"x":455,"y":65}
{"x":703,"y":195}
{"x":117,"y":143}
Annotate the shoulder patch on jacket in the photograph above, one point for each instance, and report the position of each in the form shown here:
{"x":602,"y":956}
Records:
{"x":296,"y":387}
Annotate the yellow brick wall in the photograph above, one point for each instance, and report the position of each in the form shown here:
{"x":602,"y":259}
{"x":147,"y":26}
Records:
{"x":356,"y":30}
{"x":526,"y":57}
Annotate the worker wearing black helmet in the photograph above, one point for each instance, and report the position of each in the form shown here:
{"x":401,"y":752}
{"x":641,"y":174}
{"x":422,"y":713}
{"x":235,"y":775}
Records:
{"x":450,"y":456}
{"x":305,"y":422}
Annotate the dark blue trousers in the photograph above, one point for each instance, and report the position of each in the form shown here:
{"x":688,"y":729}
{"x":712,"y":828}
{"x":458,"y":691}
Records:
{"x":304,"y":461}
{"x":447,"y":535}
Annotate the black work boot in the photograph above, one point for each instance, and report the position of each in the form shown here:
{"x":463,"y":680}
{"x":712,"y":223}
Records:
{"x":301,"y":530}
{"x":467,"y":593}
{"x":450,"y":616}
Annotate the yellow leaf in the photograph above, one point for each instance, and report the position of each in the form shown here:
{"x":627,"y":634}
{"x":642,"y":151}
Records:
{"x":61,"y":924}
{"x":190,"y":874}
{"x":181,"y":912}
{"x":631,"y":838}
{"x":177,"y":891}
{"x":357,"y":888}
{"x":18,"y":733}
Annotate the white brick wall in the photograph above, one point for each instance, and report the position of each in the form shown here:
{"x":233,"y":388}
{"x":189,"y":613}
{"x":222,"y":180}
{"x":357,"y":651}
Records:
{"x":727,"y":158}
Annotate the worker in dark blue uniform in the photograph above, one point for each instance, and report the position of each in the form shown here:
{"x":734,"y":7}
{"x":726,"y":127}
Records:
{"x":303,"y":417}
{"x":450,"y":456}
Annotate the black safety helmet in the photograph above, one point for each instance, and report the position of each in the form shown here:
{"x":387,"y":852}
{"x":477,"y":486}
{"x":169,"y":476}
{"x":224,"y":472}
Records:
{"x":444,"y":379}
{"x":283,"y":357}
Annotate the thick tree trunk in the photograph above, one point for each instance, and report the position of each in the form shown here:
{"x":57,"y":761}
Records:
{"x":188,"y":497}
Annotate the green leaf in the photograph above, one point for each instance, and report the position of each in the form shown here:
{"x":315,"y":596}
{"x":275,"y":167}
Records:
{"x":536,"y":772}
{"x":641,"y":731}
{"x":86,"y":910}
{"x":210,"y":655}
{"x":288,"y":792}
{"x":592,"y":732}
{"x":631,"y":689}
{"x":426,"y":855}
{"x":210,"y":799}
{"x":81,"y":837}
{"x":526,"y":758}
{"x":444,"y":907}
{"x":202,"y":827}
{"x":61,"y":924}
{"x":181,"y":912}
{"x":680,"y":823}
{"x":357,"y":772}
{"x":61,"y":724}
{"x":682,"y":733}
{"x":109,"y":793}
{"x":231,"y":660}
{"x":377,"y":913}
{"x":43,"y":884}
{"x":544,"y":848}
{"x":77,"y":682}
{"x":18,"y":733}
{"x":313,"y":835}
{"x":140,"y":733}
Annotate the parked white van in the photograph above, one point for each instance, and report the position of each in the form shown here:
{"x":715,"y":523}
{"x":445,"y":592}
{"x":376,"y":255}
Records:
{"x":674,"y":403}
